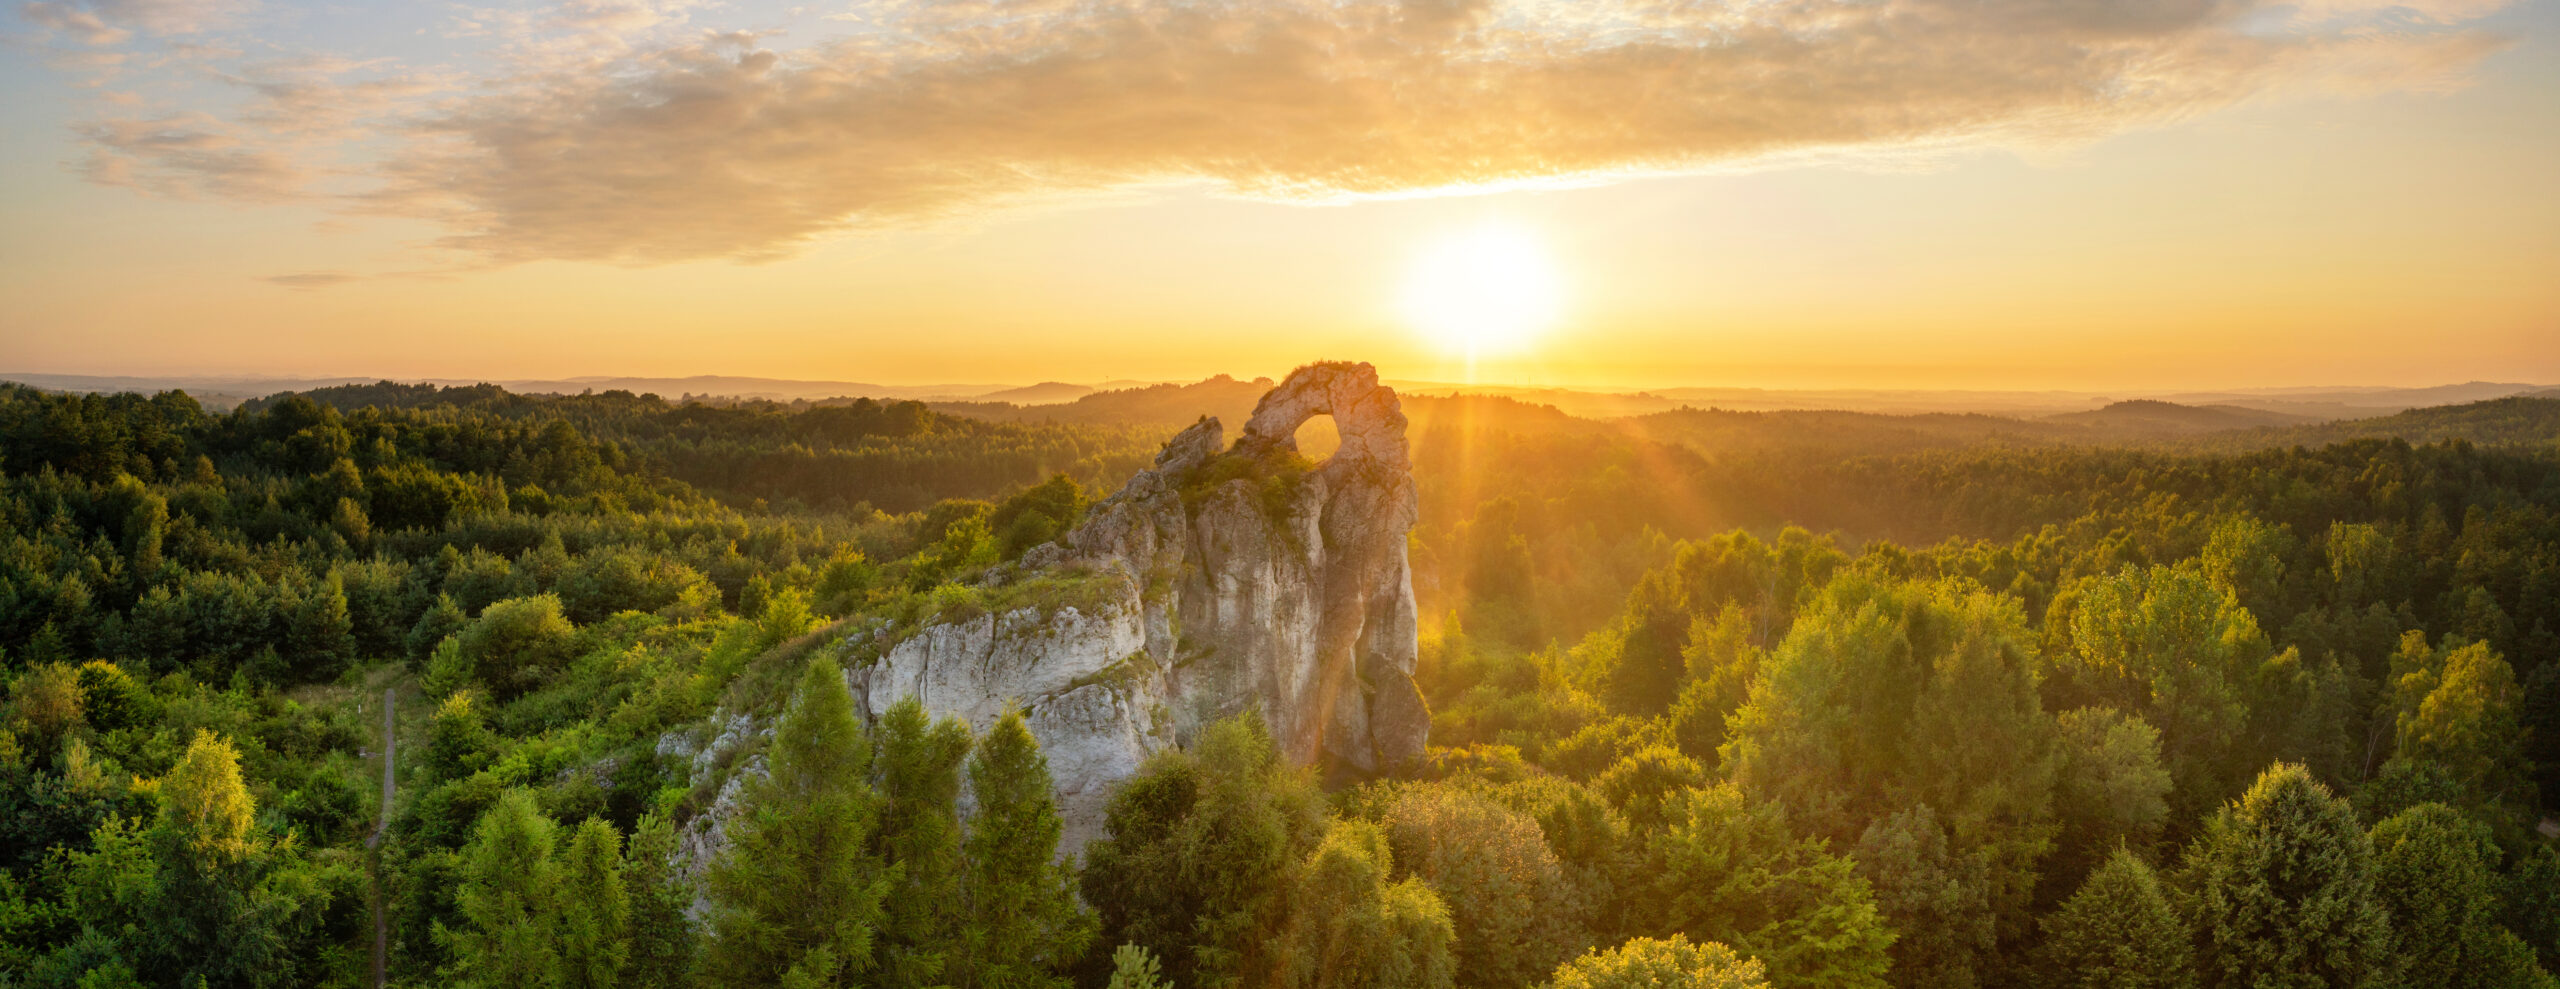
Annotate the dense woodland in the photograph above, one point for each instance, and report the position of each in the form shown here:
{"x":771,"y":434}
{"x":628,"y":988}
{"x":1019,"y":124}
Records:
{"x":1719,"y":699}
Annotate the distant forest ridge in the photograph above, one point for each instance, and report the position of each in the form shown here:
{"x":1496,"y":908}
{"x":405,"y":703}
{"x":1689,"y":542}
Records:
{"x":2321,"y":403}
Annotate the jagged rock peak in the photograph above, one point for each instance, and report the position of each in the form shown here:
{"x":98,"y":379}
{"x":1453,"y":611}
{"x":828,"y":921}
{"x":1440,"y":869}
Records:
{"x":1281,"y":585}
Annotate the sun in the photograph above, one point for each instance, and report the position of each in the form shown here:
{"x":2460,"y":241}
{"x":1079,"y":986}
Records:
{"x":1483,"y":292}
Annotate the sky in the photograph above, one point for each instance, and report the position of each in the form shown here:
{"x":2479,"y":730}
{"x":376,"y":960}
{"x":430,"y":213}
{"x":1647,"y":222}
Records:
{"x":2092,"y":194}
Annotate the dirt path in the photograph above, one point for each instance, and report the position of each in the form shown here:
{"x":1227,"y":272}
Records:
{"x":381,"y":826}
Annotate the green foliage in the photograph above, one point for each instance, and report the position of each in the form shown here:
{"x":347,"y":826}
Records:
{"x":1133,"y":967}
{"x":594,"y":923}
{"x":1671,"y":963}
{"x":518,"y":644}
{"x":2109,"y":790}
{"x":1200,"y":850}
{"x":918,"y":761}
{"x":1729,"y":869}
{"x":2435,"y":873}
{"x":1039,"y":514}
{"x":1513,"y":905}
{"x":2119,"y":931}
{"x":796,"y":896}
{"x":202,"y":895}
{"x":2167,"y":644}
{"x":1024,"y":926}
{"x":2456,"y":707}
{"x":510,"y":899}
{"x":1887,"y":696}
{"x":1349,"y":926}
{"x":662,"y":938}
{"x":2284,"y":891}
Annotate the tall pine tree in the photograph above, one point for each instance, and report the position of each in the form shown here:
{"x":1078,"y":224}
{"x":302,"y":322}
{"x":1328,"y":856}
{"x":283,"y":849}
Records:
{"x":595,"y":909}
{"x":509,"y":882}
{"x":1024,"y":924}
{"x":919,"y":766}
{"x":662,"y":943}
{"x":796,"y":896}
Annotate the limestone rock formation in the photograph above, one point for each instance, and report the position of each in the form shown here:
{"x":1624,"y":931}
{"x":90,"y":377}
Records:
{"x":1223,"y":579}
{"x":1273,"y":584}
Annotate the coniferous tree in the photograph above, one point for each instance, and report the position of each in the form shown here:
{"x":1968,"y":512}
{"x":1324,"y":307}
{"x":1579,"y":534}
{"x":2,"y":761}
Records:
{"x":594,"y":921}
{"x":919,"y":768}
{"x":2118,"y":932}
{"x":1024,"y":925}
{"x":509,"y":899}
{"x":2284,"y":896}
{"x":796,"y":896}
{"x":2435,"y":873}
{"x":1133,"y":967}
{"x":662,"y":942}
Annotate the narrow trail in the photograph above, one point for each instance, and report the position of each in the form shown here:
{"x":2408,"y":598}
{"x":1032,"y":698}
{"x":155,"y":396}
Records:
{"x":381,"y":825}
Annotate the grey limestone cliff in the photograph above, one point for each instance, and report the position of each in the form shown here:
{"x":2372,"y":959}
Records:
{"x":1226,"y":578}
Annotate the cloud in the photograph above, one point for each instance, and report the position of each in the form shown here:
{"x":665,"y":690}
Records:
{"x":108,"y":22}
{"x":308,"y":280}
{"x":710,"y":149}
{"x":605,"y":134}
{"x":82,"y":24}
{"x":187,"y":157}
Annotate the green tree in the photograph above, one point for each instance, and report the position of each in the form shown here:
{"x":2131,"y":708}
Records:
{"x":661,"y":937}
{"x":1350,"y":927}
{"x":509,"y":899}
{"x":594,"y":909}
{"x":2118,"y":932}
{"x":2457,"y":707}
{"x":918,"y":761}
{"x":2435,"y":872}
{"x":2284,"y":893}
{"x":1133,"y":967}
{"x":519,"y":643}
{"x":1936,"y":899}
{"x":442,"y":619}
{"x":1513,"y":906}
{"x":1646,"y":963}
{"x":1024,"y":926}
{"x":1199,"y":853}
{"x":2167,"y":644}
{"x":2109,"y":791}
{"x":1728,"y":869}
{"x":319,"y":634}
{"x":796,"y":895}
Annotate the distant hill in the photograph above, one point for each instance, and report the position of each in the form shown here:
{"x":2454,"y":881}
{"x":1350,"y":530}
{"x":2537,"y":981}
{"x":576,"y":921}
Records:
{"x":2151,"y":416}
{"x":1230,"y":400}
{"x":1044,"y":393}
{"x":2517,"y":421}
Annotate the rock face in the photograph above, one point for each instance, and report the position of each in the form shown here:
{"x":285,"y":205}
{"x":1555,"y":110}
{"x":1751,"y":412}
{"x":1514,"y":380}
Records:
{"x":1221,"y":580}
{"x":1087,"y":688}
{"x":1272,"y":584}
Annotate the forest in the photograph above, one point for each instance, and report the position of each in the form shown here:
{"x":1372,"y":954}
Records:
{"x":1717,"y":700}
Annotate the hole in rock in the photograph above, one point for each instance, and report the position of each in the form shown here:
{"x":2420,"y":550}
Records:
{"x":1317,"y":438}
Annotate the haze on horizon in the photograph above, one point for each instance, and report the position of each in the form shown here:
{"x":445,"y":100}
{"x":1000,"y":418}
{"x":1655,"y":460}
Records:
{"x":2145,"y":196}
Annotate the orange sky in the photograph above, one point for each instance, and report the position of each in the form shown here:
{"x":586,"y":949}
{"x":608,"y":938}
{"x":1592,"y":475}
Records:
{"x":2231,"y":197}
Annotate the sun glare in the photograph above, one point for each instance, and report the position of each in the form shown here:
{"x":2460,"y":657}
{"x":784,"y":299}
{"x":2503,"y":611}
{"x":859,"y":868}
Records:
{"x":1482,"y":292}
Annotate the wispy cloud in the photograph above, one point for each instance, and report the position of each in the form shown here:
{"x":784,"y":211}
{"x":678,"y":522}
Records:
{"x":187,"y":157}
{"x":606,"y":135}
{"x":84,"y":25}
{"x":313,"y":279}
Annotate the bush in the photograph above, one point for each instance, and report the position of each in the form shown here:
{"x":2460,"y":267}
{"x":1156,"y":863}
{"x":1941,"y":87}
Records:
{"x":518,"y":644}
